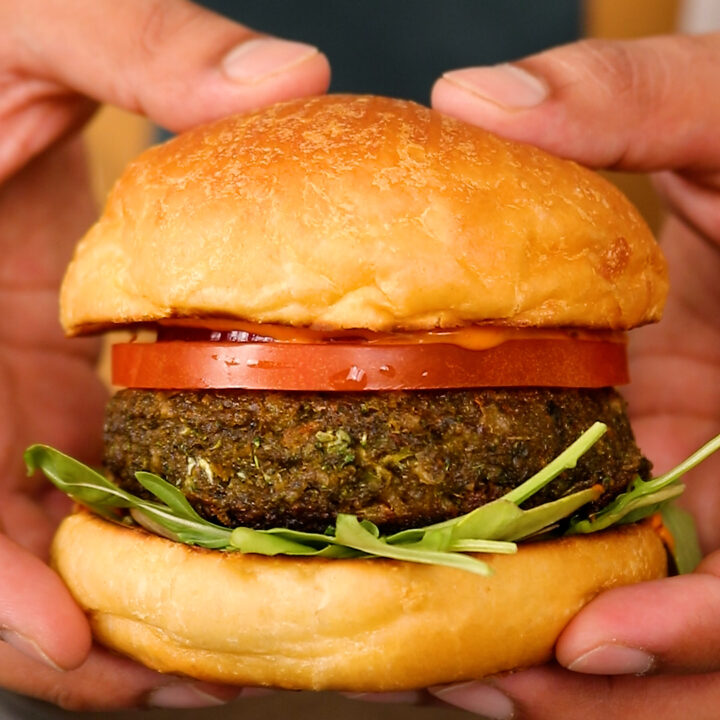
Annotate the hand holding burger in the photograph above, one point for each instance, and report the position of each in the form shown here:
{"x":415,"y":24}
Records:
{"x":81,"y":689}
{"x":632,"y":106}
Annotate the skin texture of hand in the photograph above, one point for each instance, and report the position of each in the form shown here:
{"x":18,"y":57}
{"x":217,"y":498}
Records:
{"x":179,"y":65}
{"x":651,"y":105}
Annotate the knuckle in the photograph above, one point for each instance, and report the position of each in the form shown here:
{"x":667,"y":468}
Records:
{"x":156,"y":37}
{"x":643,"y":72}
{"x":636,"y":78}
{"x":67,"y":698}
{"x":74,"y":700}
{"x":611,"y":65}
{"x":162,"y":22}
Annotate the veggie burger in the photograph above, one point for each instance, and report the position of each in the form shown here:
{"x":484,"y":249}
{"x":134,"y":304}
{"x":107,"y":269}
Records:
{"x":371,"y":441}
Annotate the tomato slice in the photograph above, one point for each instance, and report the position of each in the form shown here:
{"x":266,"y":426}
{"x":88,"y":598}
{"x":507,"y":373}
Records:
{"x":540,"y":362}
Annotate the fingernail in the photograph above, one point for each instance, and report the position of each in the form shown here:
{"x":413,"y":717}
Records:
{"x":181,"y":695}
{"x":255,"y":60}
{"x":613,"y":660}
{"x":479,"y":698}
{"x":508,"y":86}
{"x":27,"y":647}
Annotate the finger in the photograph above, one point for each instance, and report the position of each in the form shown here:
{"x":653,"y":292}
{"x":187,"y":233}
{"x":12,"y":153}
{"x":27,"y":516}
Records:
{"x":45,"y":649}
{"x":107,"y":682}
{"x":38,"y":616}
{"x":693,"y":199}
{"x":640,"y":105}
{"x":552,"y":693}
{"x":171,"y":60}
{"x":669,"y":625}
{"x":44,"y":209}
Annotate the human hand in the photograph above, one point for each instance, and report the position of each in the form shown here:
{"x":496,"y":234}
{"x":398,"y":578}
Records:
{"x":650,"y":105}
{"x":179,"y":65}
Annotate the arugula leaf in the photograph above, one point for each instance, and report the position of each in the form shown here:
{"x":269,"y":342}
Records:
{"x":283,"y":541}
{"x":686,"y":546}
{"x":175,"y":518}
{"x":169,"y":494}
{"x":644,"y":497}
{"x":696,"y":458}
{"x":566,"y":460}
{"x":256,"y":541}
{"x":502,"y":519}
{"x":487,"y":529}
{"x":491,"y":528}
{"x":351,"y":532}
{"x":75,"y":479}
{"x":635,"y":504}
{"x":88,"y":487}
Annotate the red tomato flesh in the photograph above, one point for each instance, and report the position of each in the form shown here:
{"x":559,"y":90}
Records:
{"x":337,"y":366}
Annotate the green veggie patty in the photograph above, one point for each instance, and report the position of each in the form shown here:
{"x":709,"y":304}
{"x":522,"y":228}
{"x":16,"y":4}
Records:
{"x":399,"y":460}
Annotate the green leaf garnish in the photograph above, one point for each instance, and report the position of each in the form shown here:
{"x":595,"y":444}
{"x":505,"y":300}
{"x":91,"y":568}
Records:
{"x":502,"y":519}
{"x":566,"y":460}
{"x":90,"y":488}
{"x":644,"y":497}
{"x":686,"y":548}
{"x":352,"y":533}
{"x":491,"y":528}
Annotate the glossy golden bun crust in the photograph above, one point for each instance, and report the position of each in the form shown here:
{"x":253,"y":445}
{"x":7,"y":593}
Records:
{"x":352,"y":211}
{"x":357,"y":625}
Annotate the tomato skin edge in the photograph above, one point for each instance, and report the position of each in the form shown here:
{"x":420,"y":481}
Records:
{"x":182,"y":365}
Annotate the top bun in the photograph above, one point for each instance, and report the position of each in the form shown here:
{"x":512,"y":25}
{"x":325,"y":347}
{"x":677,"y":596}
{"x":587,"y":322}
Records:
{"x":367,"y":212}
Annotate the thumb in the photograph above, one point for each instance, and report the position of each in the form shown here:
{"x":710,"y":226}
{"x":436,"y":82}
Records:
{"x":171,"y":60}
{"x":669,"y":625}
{"x":38,"y":616}
{"x":646,"y":104}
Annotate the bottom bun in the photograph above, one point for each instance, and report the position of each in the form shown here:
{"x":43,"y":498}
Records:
{"x":356,"y":625}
